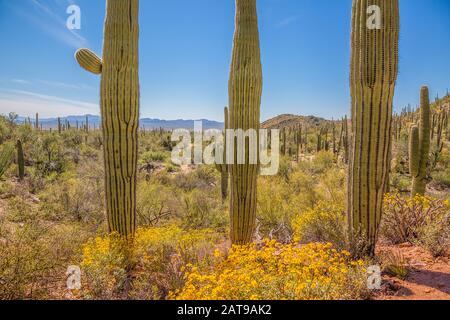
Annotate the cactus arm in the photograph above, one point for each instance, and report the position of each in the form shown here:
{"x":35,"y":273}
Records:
{"x":89,"y":61}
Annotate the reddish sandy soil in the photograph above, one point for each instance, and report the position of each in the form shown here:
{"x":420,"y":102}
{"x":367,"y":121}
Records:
{"x":428,"y":279}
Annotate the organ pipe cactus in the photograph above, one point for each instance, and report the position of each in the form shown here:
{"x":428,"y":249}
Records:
{"x":20,"y":160}
{"x":374,"y":68}
{"x":419,"y":153}
{"x":119,"y":106}
{"x":245,"y":89}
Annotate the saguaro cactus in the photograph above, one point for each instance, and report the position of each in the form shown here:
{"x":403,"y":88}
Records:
{"x":223,"y":168}
{"x":374,"y":68}
{"x":119,"y":110}
{"x":245,"y":89}
{"x":419,"y":143}
{"x":20,"y":160}
{"x":59,"y":125}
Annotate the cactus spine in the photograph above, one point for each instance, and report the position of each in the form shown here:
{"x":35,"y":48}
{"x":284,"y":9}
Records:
{"x":374,"y":68}
{"x":119,"y":109}
{"x":20,"y":160}
{"x":245,"y":89}
{"x":419,"y":154}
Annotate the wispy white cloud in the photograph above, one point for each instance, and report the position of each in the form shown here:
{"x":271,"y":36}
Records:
{"x":27,"y":103}
{"x":64,"y":85}
{"x":20,"y":81}
{"x":50,"y":22}
{"x":286,"y":21}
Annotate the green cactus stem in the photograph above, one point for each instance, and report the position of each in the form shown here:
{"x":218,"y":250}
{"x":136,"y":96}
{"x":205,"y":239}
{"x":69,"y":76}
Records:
{"x":423,"y":152}
{"x":245,"y":89}
{"x":119,"y":106}
{"x":20,"y":160}
{"x":374,"y":68}
{"x":223,"y":168}
{"x":414,"y":156}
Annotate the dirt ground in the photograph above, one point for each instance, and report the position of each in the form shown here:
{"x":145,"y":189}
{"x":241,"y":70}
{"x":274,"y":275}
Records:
{"x":428,"y":278}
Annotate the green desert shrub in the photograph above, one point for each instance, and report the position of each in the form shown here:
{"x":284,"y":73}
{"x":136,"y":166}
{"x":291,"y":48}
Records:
{"x":154,"y":204}
{"x":325,"y":223}
{"x":322,"y":161}
{"x":394,"y":264}
{"x":153,"y":156}
{"x":421,"y":219}
{"x":203,"y":177}
{"x":435,"y":236}
{"x":34,"y":258}
{"x":74,"y":198}
{"x":203,"y":210}
{"x":274,"y":215}
{"x":442,"y":177}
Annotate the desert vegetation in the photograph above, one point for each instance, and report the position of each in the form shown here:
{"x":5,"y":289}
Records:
{"x":349,"y":193}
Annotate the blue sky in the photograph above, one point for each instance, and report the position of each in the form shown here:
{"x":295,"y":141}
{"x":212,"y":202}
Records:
{"x":185,"y":50}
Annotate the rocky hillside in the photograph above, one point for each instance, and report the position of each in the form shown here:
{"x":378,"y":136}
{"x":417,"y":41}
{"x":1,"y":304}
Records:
{"x":289,"y":120}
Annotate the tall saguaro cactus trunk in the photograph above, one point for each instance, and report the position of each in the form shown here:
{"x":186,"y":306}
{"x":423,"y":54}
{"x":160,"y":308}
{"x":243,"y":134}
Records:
{"x":245,"y":89}
{"x":119,"y":109}
{"x":374,"y":68}
{"x":419,"y":149}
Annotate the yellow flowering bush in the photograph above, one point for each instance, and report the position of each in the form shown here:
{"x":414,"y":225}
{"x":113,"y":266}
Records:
{"x":156,"y":257}
{"x":324,"y":223}
{"x":275,"y":271}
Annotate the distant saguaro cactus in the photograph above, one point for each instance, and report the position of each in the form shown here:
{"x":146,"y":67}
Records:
{"x":374,"y":68}
{"x":223,"y":168}
{"x":413,"y":150}
{"x":419,"y":150}
{"x":119,"y":109}
{"x":245,"y":89}
{"x":20,"y":160}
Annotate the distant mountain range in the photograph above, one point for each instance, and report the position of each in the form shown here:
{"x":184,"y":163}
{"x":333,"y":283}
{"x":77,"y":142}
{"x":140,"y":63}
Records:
{"x":147,"y":123}
{"x":284,"y":120}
